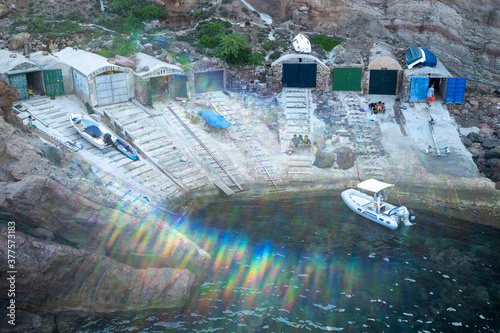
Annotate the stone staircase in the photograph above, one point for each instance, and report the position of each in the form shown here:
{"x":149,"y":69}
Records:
{"x":366,"y":134}
{"x":297,"y":120}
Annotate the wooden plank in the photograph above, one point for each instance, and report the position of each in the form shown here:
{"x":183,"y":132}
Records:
{"x":223,"y":187}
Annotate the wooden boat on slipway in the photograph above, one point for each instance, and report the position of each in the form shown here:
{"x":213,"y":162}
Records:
{"x":369,"y":201}
{"x":91,"y":130}
{"x":100,"y":136}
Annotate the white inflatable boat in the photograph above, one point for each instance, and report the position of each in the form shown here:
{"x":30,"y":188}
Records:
{"x":373,"y":205}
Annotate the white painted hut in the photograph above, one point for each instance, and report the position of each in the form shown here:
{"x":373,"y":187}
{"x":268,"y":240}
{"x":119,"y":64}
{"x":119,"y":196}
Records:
{"x":156,"y":78}
{"x":57,"y":75}
{"x":96,"y":81}
{"x":21,"y":73}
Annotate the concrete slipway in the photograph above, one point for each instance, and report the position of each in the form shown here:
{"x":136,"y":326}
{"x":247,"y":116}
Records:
{"x":184,"y":158}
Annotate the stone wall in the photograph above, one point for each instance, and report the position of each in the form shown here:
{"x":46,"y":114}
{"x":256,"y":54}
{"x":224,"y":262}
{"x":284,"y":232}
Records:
{"x":323,"y":74}
{"x":142,"y":91}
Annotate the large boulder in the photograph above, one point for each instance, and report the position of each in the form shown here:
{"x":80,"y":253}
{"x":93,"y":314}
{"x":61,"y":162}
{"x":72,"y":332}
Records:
{"x":325,"y":159}
{"x":490,"y":143}
{"x":124,"y":61}
{"x":7,"y":97}
{"x":16,"y":42}
{"x":492,"y":153}
{"x":58,"y":278}
{"x":475,"y":137}
{"x":344,"y":157}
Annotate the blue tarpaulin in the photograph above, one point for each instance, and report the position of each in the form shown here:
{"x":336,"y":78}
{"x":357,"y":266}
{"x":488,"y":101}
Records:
{"x":93,"y":131}
{"x":430,"y":59}
{"x":213,"y":119}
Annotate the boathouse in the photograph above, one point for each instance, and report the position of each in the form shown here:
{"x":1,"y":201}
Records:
{"x":155,"y":78}
{"x":208,"y":75}
{"x":296,"y":70}
{"x":96,"y":81}
{"x":57,"y":76}
{"x":417,"y":80}
{"x":383,"y":76}
{"x":21,"y":73}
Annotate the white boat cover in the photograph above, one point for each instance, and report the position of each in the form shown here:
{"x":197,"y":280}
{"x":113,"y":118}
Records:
{"x":301,"y":44}
{"x":373,"y":185}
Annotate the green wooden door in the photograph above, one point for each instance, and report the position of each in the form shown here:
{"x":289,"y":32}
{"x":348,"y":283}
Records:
{"x":20,"y":82}
{"x":347,"y":79}
{"x":53,"y":82}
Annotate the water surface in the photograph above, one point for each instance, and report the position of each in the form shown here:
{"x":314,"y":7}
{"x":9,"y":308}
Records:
{"x":311,"y":264}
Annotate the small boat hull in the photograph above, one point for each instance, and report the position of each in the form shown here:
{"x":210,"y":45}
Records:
{"x":82,"y":123}
{"x":125,"y":148}
{"x":364,"y":205}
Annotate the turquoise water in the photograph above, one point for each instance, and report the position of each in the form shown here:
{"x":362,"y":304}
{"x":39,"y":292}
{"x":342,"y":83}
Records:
{"x":311,"y":264}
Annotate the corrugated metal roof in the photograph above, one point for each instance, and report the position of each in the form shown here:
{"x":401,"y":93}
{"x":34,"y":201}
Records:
{"x":87,"y":63}
{"x":17,"y":63}
{"x":46,"y":60}
{"x":156,"y":66}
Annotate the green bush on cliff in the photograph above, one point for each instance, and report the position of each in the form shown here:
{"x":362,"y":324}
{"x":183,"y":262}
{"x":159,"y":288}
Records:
{"x":132,"y":14}
{"x":234,"y":49}
{"x":326,"y":42}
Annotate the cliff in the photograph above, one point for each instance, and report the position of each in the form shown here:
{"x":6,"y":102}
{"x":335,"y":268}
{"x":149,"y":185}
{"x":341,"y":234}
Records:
{"x":70,"y":228}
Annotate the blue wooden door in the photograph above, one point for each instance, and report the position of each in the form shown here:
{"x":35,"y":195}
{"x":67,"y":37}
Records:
{"x":456,"y":90}
{"x":418,"y":89}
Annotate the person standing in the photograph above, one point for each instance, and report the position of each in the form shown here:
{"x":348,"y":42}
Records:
{"x":430,"y":95}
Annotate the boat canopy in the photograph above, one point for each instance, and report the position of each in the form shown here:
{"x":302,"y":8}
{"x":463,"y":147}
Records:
{"x":373,"y":185}
{"x":301,"y":44}
{"x":93,"y":131}
{"x":430,"y":59}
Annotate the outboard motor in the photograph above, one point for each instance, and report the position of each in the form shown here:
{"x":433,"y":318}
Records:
{"x":107,"y":139}
{"x":412,"y":215}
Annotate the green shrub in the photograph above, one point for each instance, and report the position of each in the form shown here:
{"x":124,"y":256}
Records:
{"x":234,"y":49}
{"x":256,"y":59}
{"x":195,"y":120}
{"x":132,"y":13}
{"x":211,"y":28}
{"x":38,"y":25}
{"x":275,"y":55}
{"x":269,"y":45}
{"x":206,"y":41}
{"x":326,"y":42}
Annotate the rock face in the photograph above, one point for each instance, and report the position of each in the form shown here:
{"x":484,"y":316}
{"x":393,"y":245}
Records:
{"x":64,"y":278}
{"x":80,"y":248}
{"x":16,"y":42}
{"x":465,"y":35}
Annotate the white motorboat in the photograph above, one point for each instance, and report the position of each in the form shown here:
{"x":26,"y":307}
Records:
{"x":369,"y":200}
{"x":301,"y":44}
{"x":91,"y":130}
